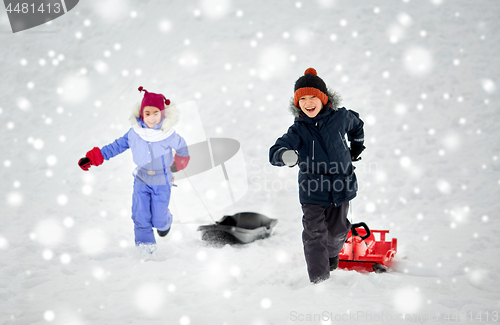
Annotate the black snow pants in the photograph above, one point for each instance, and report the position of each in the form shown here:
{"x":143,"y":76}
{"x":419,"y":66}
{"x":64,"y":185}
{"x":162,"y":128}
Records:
{"x":325,"y":231}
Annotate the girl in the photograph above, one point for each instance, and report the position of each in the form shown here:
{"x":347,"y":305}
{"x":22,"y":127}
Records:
{"x":151,"y":139}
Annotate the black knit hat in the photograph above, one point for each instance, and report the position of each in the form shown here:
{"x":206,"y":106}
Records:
{"x":312,"y":85}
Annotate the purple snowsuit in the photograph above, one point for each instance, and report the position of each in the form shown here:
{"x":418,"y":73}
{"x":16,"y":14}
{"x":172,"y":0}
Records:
{"x":152,"y":153}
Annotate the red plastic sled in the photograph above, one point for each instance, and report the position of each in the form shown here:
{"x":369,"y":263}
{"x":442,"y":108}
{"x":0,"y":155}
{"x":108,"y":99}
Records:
{"x":363,"y":253}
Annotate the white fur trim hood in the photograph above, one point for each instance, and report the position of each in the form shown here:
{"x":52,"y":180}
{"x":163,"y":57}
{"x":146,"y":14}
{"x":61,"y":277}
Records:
{"x":333,"y":97}
{"x":171,"y":116}
{"x":151,"y":135}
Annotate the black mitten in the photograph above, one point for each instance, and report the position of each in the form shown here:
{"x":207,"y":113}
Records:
{"x":84,"y":163}
{"x":356,"y":150}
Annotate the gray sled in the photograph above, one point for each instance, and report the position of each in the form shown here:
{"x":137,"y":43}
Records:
{"x":241,"y":228}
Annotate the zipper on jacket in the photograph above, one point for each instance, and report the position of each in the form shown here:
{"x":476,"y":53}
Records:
{"x":313,"y":149}
{"x":343,"y":140}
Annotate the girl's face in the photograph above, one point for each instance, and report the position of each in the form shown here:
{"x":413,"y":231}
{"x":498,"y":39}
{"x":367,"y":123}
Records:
{"x":151,"y":116}
{"x":310,"y":105}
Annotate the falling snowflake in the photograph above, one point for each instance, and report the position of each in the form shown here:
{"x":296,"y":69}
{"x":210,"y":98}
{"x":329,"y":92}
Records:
{"x":443,"y":186}
{"x":488,"y":86}
{"x":47,"y":254}
{"x":437,"y":2}
{"x":404,"y":19}
{"x":51,"y":160}
{"x":477,"y":277}
{"x":201,"y":256}
{"x":188,"y":60}
{"x":273,"y":60}
{"x":405,"y":162}
{"x":93,"y":241}
{"x":49,"y":232}
{"x":215,"y":8}
{"x":370,"y":207}
{"x":302,"y":36}
{"x":234,"y":270}
{"x":418,"y":61}
{"x":62,"y":199}
{"x":400,"y":109}
{"x":23,"y":104}
{"x":75,"y":89}
{"x":111,"y":10}
{"x":99,"y":273}
{"x":395,"y":33}
{"x":407,"y":300}
{"x":4,"y":243}
{"x":184,"y":320}
{"x":65,"y":258}
{"x":87,"y":189}
{"x":38,"y":144}
{"x":282,"y":256}
{"x":149,"y":298}
{"x":101,"y":67}
{"x":14,"y":199}
{"x":451,"y":141}
{"x":49,"y":315}
{"x":266,"y":303}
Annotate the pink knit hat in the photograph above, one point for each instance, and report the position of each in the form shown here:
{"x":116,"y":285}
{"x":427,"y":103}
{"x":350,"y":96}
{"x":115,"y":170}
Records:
{"x":156,"y":100}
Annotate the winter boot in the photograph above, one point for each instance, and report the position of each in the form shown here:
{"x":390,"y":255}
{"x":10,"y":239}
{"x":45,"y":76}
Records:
{"x":162,"y":233}
{"x":334,"y":262}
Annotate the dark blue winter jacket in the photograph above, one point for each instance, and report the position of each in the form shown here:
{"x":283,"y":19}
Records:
{"x":326,"y":173}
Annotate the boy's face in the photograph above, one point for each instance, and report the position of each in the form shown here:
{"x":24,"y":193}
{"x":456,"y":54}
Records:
{"x":310,"y":105}
{"x":151,"y":116}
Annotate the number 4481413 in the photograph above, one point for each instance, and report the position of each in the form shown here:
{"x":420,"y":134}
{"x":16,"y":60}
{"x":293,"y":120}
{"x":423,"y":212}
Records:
{"x":31,"y":8}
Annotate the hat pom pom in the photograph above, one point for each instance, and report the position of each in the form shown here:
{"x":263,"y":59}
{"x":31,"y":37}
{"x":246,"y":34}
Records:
{"x":167,"y":102}
{"x":140,"y":88}
{"x":311,"y":71}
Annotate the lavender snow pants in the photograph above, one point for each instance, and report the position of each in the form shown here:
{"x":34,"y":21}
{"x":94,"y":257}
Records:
{"x":150,"y":210}
{"x":325,"y":231}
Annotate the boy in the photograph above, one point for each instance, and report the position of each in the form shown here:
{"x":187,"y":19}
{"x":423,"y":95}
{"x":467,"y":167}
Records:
{"x":316,"y":142}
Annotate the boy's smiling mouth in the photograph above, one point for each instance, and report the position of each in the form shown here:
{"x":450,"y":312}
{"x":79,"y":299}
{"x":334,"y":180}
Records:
{"x":310,"y":109}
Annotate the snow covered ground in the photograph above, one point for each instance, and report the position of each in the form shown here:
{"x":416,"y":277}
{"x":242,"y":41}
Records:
{"x":424,"y":76}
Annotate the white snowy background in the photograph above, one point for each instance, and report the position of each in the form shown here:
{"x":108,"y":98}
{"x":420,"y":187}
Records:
{"x":424,"y":76}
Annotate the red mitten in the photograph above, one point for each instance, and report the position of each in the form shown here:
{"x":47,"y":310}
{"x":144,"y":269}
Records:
{"x":95,"y":156}
{"x":179,"y":163}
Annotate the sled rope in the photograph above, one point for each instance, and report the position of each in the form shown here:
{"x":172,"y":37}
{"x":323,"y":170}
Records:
{"x":352,"y":233}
